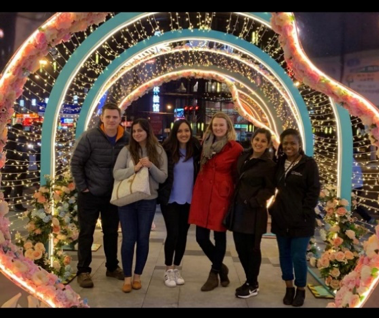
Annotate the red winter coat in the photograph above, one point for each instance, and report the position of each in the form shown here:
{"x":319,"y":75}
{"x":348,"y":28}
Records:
{"x":214,"y":187}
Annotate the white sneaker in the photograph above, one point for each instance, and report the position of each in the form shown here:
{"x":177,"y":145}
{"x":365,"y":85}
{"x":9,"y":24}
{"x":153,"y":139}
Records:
{"x":169,"y":278}
{"x":178,"y":278}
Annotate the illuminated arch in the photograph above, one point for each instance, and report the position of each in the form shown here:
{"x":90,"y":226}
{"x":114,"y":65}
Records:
{"x":264,"y":18}
{"x":123,"y":19}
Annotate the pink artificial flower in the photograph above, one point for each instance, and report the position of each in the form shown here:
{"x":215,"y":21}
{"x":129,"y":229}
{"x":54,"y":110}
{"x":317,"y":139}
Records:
{"x":20,"y":267}
{"x":337,"y":241}
{"x":350,"y":234}
{"x":349,"y":255}
{"x":341,"y":211}
{"x":64,"y":20}
{"x":340,"y":256}
{"x":40,"y":41}
{"x":56,"y":229}
{"x":41,"y":199}
{"x":28,"y":245}
{"x":37,"y":254}
{"x":67,"y":260}
{"x":335,"y":272}
{"x":354,"y":301}
{"x":335,"y":284}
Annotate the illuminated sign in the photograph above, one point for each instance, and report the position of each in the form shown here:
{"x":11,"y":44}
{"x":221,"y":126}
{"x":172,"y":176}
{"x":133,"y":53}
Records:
{"x":156,"y":103}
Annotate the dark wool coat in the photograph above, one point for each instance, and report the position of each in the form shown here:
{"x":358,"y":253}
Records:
{"x":254,"y":188}
{"x":214,"y":188}
{"x":165,"y":188}
{"x":293,"y":212}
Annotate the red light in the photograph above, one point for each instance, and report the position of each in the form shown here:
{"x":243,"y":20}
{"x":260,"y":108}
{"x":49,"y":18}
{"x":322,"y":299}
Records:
{"x":197,"y":108}
{"x":186,"y":108}
{"x":191,"y":108}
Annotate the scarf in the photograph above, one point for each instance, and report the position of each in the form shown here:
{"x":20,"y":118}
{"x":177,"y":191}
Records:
{"x":211,"y":148}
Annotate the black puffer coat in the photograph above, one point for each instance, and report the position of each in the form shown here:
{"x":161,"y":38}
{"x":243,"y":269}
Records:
{"x":293,"y":212}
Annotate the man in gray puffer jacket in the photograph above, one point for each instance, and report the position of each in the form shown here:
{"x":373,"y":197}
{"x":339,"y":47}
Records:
{"x":92,"y":162}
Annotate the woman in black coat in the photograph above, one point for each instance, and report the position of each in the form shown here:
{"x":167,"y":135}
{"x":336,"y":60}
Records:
{"x":254,"y":187}
{"x":175,"y":195}
{"x":293,"y":215}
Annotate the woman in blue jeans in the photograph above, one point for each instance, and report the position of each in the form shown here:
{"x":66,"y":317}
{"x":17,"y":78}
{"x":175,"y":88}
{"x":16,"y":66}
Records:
{"x":293,"y":215}
{"x":136,"y":218}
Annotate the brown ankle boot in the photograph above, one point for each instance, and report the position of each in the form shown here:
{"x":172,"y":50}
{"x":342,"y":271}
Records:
{"x":211,"y":283}
{"x":224,"y":276}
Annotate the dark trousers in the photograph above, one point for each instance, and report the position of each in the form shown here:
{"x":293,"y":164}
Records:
{"x":89,"y":208}
{"x":176,"y":219}
{"x":249,"y":253}
{"x":215,"y":252}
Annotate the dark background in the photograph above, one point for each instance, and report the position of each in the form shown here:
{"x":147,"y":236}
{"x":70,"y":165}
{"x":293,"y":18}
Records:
{"x":322,"y":34}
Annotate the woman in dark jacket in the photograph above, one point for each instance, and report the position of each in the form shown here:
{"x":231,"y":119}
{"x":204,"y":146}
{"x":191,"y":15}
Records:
{"x":254,"y":187}
{"x":293,"y":215}
{"x":175,"y":195}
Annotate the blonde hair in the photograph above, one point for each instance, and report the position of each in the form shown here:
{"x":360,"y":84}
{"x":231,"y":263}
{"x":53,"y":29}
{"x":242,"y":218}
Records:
{"x":230,"y":134}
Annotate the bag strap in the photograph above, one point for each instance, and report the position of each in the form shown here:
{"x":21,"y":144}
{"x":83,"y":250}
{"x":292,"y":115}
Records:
{"x":131,"y":183}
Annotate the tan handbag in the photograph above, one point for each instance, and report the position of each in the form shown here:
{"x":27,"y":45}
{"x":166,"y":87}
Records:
{"x":132,"y":189}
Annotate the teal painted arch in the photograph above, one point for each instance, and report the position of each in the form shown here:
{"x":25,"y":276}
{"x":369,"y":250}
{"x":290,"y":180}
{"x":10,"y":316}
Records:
{"x":63,"y":81}
{"x":71,"y":68}
{"x":90,"y":44}
{"x":212,"y":36}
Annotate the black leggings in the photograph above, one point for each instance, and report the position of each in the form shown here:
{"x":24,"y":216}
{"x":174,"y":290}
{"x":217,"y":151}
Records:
{"x":176,"y":219}
{"x":215,"y":252}
{"x":249,"y":253}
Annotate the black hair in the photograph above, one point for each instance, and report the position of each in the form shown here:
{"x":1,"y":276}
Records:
{"x":267,"y":133}
{"x":292,"y":132}
{"x":172,"y":143}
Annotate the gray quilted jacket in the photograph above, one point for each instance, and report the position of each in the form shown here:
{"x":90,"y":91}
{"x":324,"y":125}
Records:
{"x":93,"y":159}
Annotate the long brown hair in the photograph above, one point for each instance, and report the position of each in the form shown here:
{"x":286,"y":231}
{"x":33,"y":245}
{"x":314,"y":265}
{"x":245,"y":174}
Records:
{"x":151,"y":143}
{"x":172,"y":143}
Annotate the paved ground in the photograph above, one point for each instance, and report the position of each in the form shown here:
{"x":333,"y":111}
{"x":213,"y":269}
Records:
{"x":195,"y":268}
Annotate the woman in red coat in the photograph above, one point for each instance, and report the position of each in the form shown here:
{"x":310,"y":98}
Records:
{"x":212,"y":194}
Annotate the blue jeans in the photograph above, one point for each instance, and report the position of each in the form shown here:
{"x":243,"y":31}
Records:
{"x":292,"y":257}
{"x":136,"y":220}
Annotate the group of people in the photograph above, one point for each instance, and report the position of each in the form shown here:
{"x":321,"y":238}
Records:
{"x":215,"y":185}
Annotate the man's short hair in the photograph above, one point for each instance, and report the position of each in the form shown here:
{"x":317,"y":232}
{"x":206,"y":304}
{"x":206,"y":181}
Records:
{"x":110,"y":106}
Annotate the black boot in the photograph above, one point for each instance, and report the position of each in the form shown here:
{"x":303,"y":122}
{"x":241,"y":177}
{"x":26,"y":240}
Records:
{"x":299,"y":298}
{"x":288,"y":297}
{"x":224,"y":276}
{"x":212,"y":281}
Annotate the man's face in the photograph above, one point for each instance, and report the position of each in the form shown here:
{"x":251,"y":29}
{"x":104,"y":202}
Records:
{"x":111,"y":119}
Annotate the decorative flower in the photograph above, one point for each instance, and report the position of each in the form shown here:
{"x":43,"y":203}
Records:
{"x":341,"y":236}
{"x":62,"y":223}
{"x":283,"y":23}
